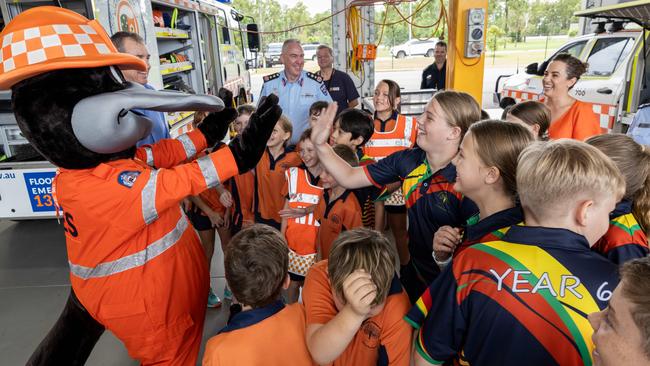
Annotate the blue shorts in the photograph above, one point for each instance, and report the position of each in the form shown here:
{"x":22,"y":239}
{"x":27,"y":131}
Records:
{"x":199,"y":220}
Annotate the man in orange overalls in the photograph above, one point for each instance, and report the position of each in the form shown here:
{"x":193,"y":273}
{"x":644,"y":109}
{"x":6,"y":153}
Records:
{"x":136,"y":264}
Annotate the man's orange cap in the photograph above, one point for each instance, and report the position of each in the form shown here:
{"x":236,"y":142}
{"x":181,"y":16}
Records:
{"x":47,"y":38}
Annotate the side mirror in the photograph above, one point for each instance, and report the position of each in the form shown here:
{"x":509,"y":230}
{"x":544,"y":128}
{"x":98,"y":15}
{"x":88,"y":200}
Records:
{"x":532,"y":69}
{"x":253,"y":36}
{"x":542,"y":68}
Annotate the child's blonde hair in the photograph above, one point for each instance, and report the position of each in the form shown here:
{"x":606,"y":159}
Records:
{"x":460,"y":108}
{"x":365,"y":249}
{"x":551,"y":174}
{"x":498,"y":144}
{"x":285,"y":124}
{"x":633,"y":160}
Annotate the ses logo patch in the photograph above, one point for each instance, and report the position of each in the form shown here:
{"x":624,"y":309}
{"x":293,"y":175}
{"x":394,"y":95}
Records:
{"x":127,"y":178}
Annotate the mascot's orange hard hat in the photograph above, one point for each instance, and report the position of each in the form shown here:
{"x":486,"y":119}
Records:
{"x":47,"y":38}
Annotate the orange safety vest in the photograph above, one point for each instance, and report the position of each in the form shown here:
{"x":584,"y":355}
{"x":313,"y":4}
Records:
{"x":401,"y":137}
{"x":136,"y":263}
{"x":302,"y":232}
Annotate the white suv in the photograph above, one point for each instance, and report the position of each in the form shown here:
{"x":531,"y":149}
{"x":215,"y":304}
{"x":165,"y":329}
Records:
{"x":310,"y":50}
{"x":414,"y":47}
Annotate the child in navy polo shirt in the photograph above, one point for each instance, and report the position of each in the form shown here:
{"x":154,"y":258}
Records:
{"x":486,"y":169}
{"x":426,"y":174}
{"x":524,"y":299}
{"x":627,"y":237}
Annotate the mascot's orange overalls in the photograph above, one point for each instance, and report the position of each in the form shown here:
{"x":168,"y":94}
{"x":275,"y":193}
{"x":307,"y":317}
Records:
{"x":136,"y":262}
{"x":137,"y":266}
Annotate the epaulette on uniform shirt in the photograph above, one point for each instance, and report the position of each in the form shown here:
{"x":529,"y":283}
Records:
{"x":643,"y":106}
{"x":271,"y":77}
{"x":313,"y":76}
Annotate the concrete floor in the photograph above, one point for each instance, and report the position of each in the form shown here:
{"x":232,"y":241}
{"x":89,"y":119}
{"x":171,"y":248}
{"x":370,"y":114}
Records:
{"x":34,"y":287}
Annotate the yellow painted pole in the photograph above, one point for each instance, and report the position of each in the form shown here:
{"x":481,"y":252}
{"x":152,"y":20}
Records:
{"x":464,"y":74}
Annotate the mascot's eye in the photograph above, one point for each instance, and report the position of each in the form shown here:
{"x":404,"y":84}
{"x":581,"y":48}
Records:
{"x":116,"y":74}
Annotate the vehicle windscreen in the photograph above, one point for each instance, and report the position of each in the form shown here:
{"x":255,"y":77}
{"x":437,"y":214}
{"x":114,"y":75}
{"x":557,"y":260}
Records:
{"x":607,"y":54}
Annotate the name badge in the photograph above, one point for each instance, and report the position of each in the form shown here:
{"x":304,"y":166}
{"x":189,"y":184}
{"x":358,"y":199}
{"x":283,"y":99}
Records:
{"x":335,"y":88}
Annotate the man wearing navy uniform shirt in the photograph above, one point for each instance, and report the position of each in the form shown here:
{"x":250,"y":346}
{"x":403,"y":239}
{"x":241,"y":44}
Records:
{"x":338,"y":83}
{"x":296,"y":88}
{"x":433,"y":77}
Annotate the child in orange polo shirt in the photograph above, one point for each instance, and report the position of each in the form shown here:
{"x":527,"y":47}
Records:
{"x":269,"y":175}
{"x":355,"y":304}
{"x":242,"y":186}
{"x":266,"y":332}
{"x":207,"y":213}
{"x":299,"y":221}
{"x":342,"y":208}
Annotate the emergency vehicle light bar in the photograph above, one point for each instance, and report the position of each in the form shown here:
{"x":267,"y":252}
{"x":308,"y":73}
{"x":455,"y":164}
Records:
{"x":634,"y":11}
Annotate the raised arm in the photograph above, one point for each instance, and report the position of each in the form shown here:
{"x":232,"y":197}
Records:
{"x":346,"y":175}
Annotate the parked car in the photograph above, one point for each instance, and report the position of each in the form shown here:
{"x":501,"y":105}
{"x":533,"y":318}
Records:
{"x":272,"y":54}
{"x":415,"y":47}
{"x":310,"y":50}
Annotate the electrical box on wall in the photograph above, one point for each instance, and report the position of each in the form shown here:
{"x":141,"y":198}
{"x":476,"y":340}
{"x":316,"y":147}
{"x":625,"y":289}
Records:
{"x":475,"y":33}
{"x":366,"y":52}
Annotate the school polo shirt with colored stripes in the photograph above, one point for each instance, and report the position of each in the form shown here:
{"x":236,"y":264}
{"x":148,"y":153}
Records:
{"x":490,"y":228}
{"x":270,"y":335}
{"x":431,"y":201}
{"x":520,"y":301}
{"x":624,"y":240}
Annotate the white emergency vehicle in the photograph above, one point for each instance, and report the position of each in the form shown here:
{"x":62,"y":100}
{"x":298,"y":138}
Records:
{"x":196,"y":46}
{"x":616,"y":80}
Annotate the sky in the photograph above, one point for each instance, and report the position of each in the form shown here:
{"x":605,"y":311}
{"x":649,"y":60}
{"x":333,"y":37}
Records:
{"x":314,"y":6}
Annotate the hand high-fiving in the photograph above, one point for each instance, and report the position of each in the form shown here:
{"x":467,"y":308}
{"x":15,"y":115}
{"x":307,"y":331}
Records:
{"x":248,"y":147}
{"x":320,"y":132}
{"x":215,"y":125}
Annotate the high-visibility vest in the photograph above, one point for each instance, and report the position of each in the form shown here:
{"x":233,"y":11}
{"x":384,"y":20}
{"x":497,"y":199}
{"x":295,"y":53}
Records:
{"x":301,"y":232}
{"x":401,"y":137}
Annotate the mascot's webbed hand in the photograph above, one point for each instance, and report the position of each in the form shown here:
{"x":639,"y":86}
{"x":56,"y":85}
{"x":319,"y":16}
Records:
{"x":215,"y":125}
{"x":248,"y":147}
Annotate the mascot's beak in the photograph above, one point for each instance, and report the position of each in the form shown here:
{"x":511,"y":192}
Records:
{"x":104,"y":123}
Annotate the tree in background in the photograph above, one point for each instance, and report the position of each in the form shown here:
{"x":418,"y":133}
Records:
{"x":271,"y":16}
{"x":516,"y":19}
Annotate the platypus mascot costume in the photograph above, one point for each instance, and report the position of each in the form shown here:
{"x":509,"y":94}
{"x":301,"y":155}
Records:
{"x":136,"y":264}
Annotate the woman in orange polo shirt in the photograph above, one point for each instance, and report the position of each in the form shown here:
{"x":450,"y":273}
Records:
{"x":570,"y":118}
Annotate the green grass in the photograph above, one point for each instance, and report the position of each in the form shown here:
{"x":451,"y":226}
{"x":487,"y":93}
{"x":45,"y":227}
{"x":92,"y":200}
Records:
{"x":530,"y":44}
